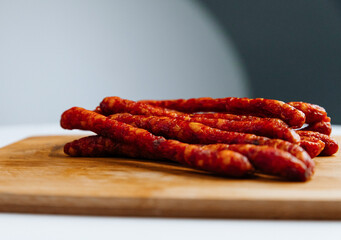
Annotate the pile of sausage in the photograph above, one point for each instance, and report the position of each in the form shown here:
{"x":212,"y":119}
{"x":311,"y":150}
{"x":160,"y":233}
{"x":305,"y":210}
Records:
{"x":234,"y":137}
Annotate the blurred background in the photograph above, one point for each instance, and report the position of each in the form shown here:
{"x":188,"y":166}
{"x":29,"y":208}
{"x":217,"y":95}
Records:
{"x":59,"y":54}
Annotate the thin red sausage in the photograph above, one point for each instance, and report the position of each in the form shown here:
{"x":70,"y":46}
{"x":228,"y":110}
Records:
{"x":269,"y":160}
{"x":331,"y":146}
{"x":111,"y":105}
{"x":321,"y":127}
{"x":191,"y":132}
{"x":313,"y":146}
{"x":273,"y":128}
{"x":294,"y":149}
{"x":313,"y":113}
{"x":257,"y":107}
{"x":267,"y":127}
{"x":185,"y":131}
{"x":266,"y":160}
{"x":98,"y":146}
{"x":225,"y":162}
{"x":227,"y":116}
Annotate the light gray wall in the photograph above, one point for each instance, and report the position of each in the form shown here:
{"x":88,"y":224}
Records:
{"x":58,"y":54}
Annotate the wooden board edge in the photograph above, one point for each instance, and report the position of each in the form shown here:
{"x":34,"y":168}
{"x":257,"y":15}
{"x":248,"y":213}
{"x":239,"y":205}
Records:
{"x":172,"y":208}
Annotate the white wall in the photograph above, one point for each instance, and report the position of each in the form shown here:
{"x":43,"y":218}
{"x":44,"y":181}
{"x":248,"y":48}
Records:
{"x":58,"y":54}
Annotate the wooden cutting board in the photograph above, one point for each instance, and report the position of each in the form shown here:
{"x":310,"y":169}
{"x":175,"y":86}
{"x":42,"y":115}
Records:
{"x":36,"y":177}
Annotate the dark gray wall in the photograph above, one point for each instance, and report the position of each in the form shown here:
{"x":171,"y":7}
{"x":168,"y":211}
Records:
{"x":291,"y":49}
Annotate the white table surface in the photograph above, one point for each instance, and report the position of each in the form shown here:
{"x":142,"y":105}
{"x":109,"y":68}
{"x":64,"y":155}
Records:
{"x":35,"y":226}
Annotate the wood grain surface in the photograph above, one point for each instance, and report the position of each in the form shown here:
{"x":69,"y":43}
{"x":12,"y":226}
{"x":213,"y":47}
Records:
{"x":37,"y":177}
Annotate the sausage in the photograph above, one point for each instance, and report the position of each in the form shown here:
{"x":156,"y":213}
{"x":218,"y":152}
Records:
{"x":265,"y":159}
{"x":312,"y":145}
{"x":228,"y":116}
{"x":273,"y":128}
{"x":268,"y":127}
{"x":192,"y":105}
{"x":321,"y":127}
{"x":98,"y":146}
{"x":111,"y":105}
{"x":294,"y":149}
{"x":227,"y":163}
{"x":256,"y":107}
{"x":191,"y":132}
{"x":79,"y":118}
{"x":269,"y":160}
{"x":185,"y":131}
{"x":331,"y":146}
{"x":313,"y":113}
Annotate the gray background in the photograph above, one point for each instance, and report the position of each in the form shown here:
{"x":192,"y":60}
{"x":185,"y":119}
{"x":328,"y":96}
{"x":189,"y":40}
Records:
{"x":58,"y":54}
{"x":291,"y":50}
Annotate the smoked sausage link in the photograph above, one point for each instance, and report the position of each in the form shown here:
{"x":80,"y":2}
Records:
{"x":312,"y":145}
{"x":98,"y":146}
{"x":227,"y":163}
{"x":191,"y":132}
{"x":266,"y":160}
{"x":273,"y":128}
{"x":313,"y":113}
{"x":269,"y":160}
{"x":331,"y":146}
{"x":321,"y":127}
{"x":256,"y":107}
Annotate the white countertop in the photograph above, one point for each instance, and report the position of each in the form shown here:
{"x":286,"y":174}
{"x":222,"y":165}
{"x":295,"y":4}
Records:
{"x":35,"y":226}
